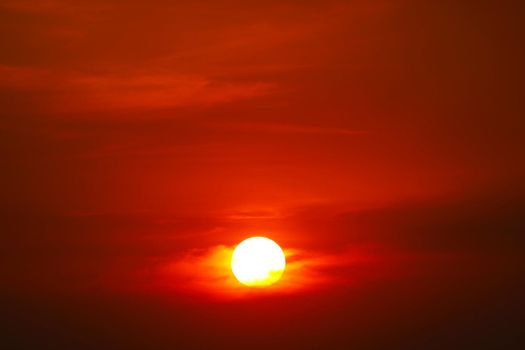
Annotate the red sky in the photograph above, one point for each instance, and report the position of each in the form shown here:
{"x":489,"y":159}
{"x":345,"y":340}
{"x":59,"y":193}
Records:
{"x":381,"y":143}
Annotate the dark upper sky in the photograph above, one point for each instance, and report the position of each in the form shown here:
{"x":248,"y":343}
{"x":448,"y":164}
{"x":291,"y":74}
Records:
{"x":381,"y":143}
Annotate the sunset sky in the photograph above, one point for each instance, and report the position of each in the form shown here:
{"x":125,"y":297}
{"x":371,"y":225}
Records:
{"x":380,"y":143}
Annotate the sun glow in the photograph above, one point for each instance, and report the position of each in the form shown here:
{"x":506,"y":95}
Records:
{"x":258,"y":261}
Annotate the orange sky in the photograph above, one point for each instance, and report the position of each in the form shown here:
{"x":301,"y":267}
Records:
{"x":380,"y":141}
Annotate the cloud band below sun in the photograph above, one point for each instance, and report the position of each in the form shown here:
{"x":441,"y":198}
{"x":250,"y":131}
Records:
{"x":207,"y":272}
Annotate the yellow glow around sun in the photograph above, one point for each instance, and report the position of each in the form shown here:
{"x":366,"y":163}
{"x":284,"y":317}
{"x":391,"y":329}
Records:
{"x":258,"y":261}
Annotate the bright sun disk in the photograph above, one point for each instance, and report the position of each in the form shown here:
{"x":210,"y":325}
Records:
{"x":258,"y":261}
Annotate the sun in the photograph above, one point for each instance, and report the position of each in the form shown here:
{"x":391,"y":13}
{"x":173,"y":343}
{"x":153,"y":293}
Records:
{"x":258,"y":262}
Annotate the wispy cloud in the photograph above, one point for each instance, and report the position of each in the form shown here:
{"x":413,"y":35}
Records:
{"x":73,"y":91}
{"x":291,"y":128}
